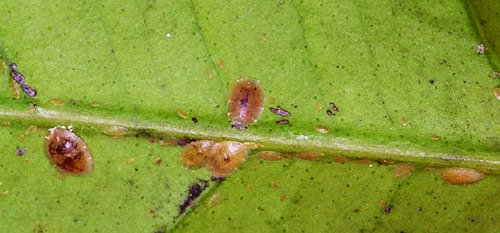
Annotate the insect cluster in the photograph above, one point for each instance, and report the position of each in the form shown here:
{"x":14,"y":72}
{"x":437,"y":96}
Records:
{"x":220,"y":158}
{"x":19,"y":78}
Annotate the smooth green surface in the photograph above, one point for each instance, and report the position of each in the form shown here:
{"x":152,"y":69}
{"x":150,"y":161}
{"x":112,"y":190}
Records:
{"x":378,"y":62}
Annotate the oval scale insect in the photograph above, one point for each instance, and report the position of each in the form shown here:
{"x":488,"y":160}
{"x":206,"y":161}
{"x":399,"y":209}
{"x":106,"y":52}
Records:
{"x":461,"y":176}
{"x":245,"y":103}
{"x":196,"y":153}
{"x":227,"y":157}
{"x":68,"y":151}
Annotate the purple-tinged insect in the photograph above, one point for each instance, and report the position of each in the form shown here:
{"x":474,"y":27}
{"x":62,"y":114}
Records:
{"x":20,"y":151}
{"x":194,"y":192}
{"x":387,"y":209}
{"x":280,"y":111}
{"x":330,"y":113}
{"x":480,"y":49}
{"x":18,"y":77}
{"x":283,"y":122}
{"x":31,"y":92}
{"x":245,"y":103}
{"x":13,"y":66}
{"x":195,"y":121}
{"x":238,"y":126}
{"x":333,"y":106}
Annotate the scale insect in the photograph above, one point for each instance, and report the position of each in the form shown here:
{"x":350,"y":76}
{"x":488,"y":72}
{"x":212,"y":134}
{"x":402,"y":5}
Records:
{"x":245,"y":104}
{"x":68,"y":151}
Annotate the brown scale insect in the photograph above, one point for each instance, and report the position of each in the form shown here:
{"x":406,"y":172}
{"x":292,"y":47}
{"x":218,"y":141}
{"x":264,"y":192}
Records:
{"x":68,"y":151}
{"x":245,"y":103}
{"x":197,"y":153}
{"x":270,"y":155}
{"x":227,"y":157}
{"x":402,"y":170}
{"x":308,"y":155}
{"x":461,"y":176}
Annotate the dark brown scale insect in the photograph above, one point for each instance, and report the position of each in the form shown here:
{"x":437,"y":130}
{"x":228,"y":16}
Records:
{"x":68,"y":151}
{"x":245,"y":103}
{"x":280,"y":111}
{"x":195,"y":121}
{"x":333,"y":106}
{"x":28,"y":90}
{"x":282,"y":122}
{"x":330,"y":113}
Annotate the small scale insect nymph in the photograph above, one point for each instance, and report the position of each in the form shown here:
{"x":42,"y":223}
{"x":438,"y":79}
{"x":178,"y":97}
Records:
{"x":19,"y":78}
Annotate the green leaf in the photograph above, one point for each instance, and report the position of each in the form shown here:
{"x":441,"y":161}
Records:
{"x":142,"y":62}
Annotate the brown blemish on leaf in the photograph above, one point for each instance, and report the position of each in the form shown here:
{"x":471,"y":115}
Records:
{"x":214,"y":200}
{"x":462,"y":176}
{"x":246,"y":102}
{"x":221,"y":63}
{"x":321,"y":129}
{"x":497,"y":93}
{"x":94,"y":104}
{"x":15,"y":89}
{"x":385,"y":161}
{"x":31,"y":129}
{"x":255,"y":167}
{"x":270,"y":155}
{"x":131,"y":161}
{"x":168,"y":142}
{"x":58,"y":102}
{"x":264,"y":37}
{"x":208,"y":74}
{"x":182,"y":113}
{"x":116,"y":131}
{"x":436,"y":138}
{"x":68,"y":151}
{"x":157,"y":161}
{"x":340,"y":159}
{"x":402,"y":170}
{"x":318,"y":105}
{"x":275,"y":185}
{"x":404,"y":121}
{"x":364,"y":161}
{"x":308,"y":155}
{"x":5,"y":193}
{"x":282,"y":197}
